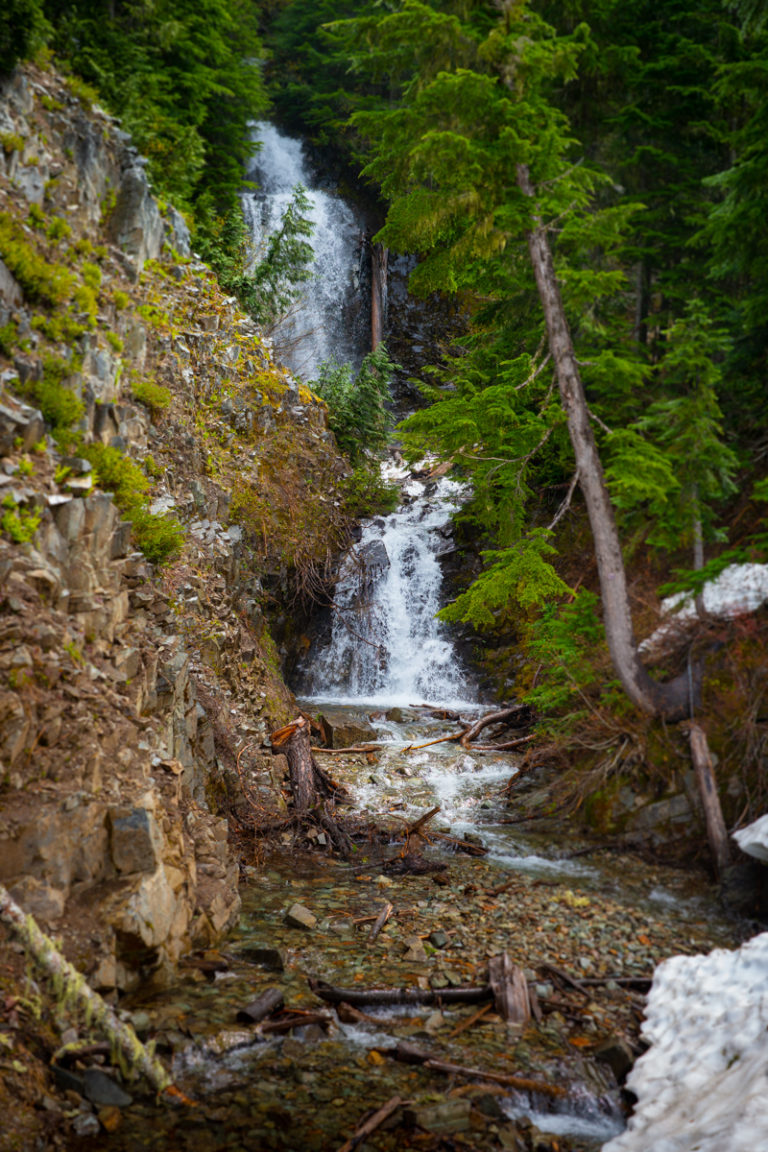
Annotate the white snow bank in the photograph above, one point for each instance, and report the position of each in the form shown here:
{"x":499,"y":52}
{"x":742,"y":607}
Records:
{"x":702,"y":1085}
{"x":738,"y":590}
{"x":754,"y":839}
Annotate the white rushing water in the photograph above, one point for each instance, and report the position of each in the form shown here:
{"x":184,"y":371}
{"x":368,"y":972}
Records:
{"x":331,"y":319}
{"x":386,"y":647}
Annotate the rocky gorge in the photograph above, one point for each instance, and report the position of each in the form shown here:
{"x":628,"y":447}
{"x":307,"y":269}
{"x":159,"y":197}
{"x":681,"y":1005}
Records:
{"x":167,"y":490}
{"x":126,"y":687}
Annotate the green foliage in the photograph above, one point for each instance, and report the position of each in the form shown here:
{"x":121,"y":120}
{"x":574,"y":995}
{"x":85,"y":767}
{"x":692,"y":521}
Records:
{"x":515,"y":577}
{"x":8,"y":338}
{"x":58,"y":229}
{"x":60,"y":407}
{"x":366,"y":493}
{"x":43,"y":282}
{"x":183,"y":78}
{"x":19,"y":524}
{"x":267,"y":282}
{"x":357,"y":406}
{"x":160,"y":537}
{"x":120,"y":299}
{"x":563,"y":648}
{"x":155,"y":396}
{"x":22,"y":31}
{"x":11,"y":142}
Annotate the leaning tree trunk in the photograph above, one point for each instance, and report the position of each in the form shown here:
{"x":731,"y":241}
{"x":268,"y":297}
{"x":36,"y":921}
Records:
{"x":644,"y":692}
{"x":74,"y":991}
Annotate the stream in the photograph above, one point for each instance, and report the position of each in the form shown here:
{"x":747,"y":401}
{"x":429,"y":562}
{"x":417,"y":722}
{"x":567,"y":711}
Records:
{"x":552,"y":903}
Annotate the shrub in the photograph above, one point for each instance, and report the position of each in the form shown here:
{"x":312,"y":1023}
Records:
{"x":42,"y":282}
{"x":19,"y":524}
{"x":60,"y":407}
{"x":156,"y":398}
{"x":58,"y":229}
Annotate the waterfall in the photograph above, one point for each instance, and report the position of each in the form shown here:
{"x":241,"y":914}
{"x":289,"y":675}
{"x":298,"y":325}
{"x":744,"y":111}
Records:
{"x":333,"y":316}
{"x":386,"y":646}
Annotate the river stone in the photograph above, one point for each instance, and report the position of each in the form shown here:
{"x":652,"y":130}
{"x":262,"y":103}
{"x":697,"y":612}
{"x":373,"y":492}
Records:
{"x":415,"y":950}
{"x":347,"y":731}
{"x":300,"y":917}
{"x":447,"y":1116}
{"x":102,"y":1090}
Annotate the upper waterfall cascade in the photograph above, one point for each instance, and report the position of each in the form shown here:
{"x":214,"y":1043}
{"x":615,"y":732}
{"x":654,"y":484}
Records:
{"x":332,"y":318}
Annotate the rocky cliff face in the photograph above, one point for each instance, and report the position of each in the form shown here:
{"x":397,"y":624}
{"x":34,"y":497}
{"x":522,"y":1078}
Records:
{"x":128,"y":690}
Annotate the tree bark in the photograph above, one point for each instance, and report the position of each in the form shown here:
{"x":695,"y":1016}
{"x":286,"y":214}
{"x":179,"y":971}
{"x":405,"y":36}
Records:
{"x":644,"y":692}
{"x":309,"y":783}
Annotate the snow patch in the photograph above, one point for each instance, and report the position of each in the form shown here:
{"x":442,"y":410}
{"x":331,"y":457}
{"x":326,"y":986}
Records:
{"x":754,"y":839}
{"x":701,"y":1086}
{"x":738,"y":590}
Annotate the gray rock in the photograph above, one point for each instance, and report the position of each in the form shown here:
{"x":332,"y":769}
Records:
{"x":135,"y":840}
{"x":298,"y":916}
{"x":446,"y":1116}
{"x":102,"y":1090}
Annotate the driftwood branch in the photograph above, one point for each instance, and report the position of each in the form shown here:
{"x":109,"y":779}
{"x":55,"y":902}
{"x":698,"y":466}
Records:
{"x":410,"y":1055}
{"x":369,"y":1126}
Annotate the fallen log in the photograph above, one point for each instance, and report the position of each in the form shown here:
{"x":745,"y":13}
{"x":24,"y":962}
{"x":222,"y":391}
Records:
{"x":296,"y":1019}
{"x":393,"y":996}
{"x":465,"y":846}
{"x":507,"y":746}
{"x":408,"y":1054}
{"x":473,"y":1019}
{"x":369,"y":1126}
{"x":269,"y":1001}
{"x":348,"y":751}
{"x":73,"y":992}
{"x":474,"y":731}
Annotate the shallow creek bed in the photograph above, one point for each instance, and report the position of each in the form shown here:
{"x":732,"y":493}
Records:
{"x":586,"y":934}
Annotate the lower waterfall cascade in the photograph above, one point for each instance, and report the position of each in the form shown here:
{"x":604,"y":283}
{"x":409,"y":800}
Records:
{"x":387,"y":648}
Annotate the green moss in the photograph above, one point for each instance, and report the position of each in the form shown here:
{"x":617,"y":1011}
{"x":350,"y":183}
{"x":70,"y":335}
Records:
{"x":83,"y":92}
{"x":156,"y":398}
{"x":11,"y":142}
{"x":61,"y":327}
{"x":43,"y":282}
{"x":114,"y":341}
{"x":36,"y":216}
{"x":120,"y":299}
{"x":91,"y":274}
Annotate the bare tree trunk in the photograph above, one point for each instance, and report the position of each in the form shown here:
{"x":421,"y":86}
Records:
{"x":710,"y":801}
{"x":644,"y":692}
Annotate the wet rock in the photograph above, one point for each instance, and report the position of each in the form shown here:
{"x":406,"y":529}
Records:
{"x":438,"y":938}
{"x":347,"y":731}
{"x":617,"y":1054}
{"x":447,"y":1116}
{"x":415,"y":953}
{"x":298,"y":916}
{"x":102,"y":1090}
{"x":269,"y":958}
{"x":86,"y":1124}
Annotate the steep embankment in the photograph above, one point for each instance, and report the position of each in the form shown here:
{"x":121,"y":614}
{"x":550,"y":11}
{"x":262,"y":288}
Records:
{"x":126,"y":687}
